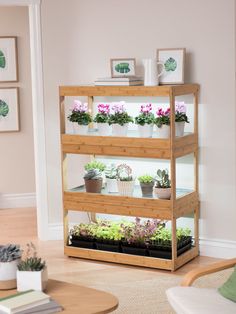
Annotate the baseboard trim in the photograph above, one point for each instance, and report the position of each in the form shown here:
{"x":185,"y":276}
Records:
{"x":217,"y":248}
{"x":17,"y":200}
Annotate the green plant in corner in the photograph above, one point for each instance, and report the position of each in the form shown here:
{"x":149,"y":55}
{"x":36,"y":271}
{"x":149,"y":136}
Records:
{"x":30,"y":261}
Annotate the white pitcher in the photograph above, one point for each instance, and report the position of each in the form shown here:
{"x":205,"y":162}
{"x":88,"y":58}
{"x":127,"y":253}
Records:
{"x":151,"y":75}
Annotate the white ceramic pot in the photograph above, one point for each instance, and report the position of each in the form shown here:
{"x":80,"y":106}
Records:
{"x":104,"y":129}
{"x":36,"y":280}
{"x":119,"y":130}
{"x":145,"y":130}
{"x":163,"y":131}
{"x":80,"y":129}
{"x":8,"y":275}
{"x":162,"y":193}
{"x":179,"y":128}
{"x":112,"y":185}
{"x":125,"y":187}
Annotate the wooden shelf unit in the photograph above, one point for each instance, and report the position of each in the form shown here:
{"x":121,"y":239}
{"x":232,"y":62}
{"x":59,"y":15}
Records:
{"x":169,"y":149}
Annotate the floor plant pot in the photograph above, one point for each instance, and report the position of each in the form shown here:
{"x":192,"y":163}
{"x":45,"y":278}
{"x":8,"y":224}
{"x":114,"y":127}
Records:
{"x":108,"y":245}
{"x":104,"y":129}
{"x":179,"y":128}
{"x":36,"y":280}
{"x":80,"y":129}
{"x":112,"y":185}
{"x":163,"y":131}
{"x":147,"y":189}
{"x":162,"y":193}
{"x":145,"y":130}
{"x":83,"y":242}
{"x":125,"y":187}
{"x":8,"y":274}
{"x":93,"y":186}
{"x":119,"y":130}
{"x":134,"y":249}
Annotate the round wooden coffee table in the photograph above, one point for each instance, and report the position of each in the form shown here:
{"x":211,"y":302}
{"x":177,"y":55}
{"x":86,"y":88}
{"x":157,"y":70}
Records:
{"x":77,"y":299}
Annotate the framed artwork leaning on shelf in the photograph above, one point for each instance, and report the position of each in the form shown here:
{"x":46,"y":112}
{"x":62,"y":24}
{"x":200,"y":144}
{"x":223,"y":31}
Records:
{"x":173,"y":60}
{"x":123,"y":67}
{"x":9,"y":109}
{"x":8,"y":59}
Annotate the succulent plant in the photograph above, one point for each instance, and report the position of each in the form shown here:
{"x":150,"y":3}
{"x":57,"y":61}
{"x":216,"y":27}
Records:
{"x":94,"y":164}
{"x":146,"y":178}
{"x":9,"y":252}
{"x":124,"y":173}
{"x":110,"y":171}
{"x":93,"y":174}
{"x":162,"y":179}
{"x":31,"y":261}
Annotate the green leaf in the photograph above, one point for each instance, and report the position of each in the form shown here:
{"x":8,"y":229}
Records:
{"x":4,"y":108}
{"x":2,"y":60}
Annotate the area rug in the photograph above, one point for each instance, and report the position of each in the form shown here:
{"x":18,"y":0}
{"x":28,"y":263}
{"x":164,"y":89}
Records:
{"x":139,"y":294}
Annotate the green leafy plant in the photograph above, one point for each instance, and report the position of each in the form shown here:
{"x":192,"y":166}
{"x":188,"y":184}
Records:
{"x":145,"y":116}
{"x":163,"y":117}
{"x":110,"y":171}
{"x":119,"y":115}
{"x":162,"y":179}
{"x":80,"y":114}
{"x":163,"y":236}
{"x":30,"y":261}
{"x":109,"y":231}
{"x":84,"y":230}
{"x":94,"y":164}
{"x":146,"y":178}
{"x":124,"y":173}
{"x":9,"y":252}
{"x":103,"y":114}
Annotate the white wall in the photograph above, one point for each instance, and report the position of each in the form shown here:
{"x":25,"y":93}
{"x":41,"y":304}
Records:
{"x":79,"y":38}
{"x":16,"y":152}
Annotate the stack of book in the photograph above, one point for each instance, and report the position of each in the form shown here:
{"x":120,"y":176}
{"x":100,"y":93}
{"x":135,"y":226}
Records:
{"x":29,"y":302}
{"x":122,"y":81}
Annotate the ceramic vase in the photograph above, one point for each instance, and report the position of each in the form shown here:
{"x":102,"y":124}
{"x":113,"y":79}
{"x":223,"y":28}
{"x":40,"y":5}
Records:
{"x":36,"y":280}
{"x":179,"y":128}
{"x":163,"y":131}
{"x":112,"y":185}
{"x":145,"y":130}
{"x":104,"y":129}
{"x":163,"y":193}
{"x":8,"y":274}
{"x":119,"y":130}
{"x":80,"y":129}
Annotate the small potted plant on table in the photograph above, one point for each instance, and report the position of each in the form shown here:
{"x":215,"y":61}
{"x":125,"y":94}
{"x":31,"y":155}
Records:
{"x":110,"y":175}
{"x":102,"y":118}
{"x":145,"y":121}
{"x":93,"y":176}
{"x":83,"y":235}
{"x":80,"y":117}
{"x":146,"y":182}
{"x":125,"y":180}
{"x":31,"y":271}
{"x":162,"y":122}
{"x":163,"y":184}
{"x":119,"y":120}
{"x":10,"y":255}
{"x":180,"y":118}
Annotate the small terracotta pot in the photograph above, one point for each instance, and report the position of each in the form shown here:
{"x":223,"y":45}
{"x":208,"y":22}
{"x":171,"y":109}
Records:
{"x":93,"y":186}
{"x":163,"y":193}
{"x":147,"y":188}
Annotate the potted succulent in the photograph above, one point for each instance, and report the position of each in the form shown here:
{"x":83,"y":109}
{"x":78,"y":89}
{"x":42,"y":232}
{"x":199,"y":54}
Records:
{"x":110,"y":174}
{"x":145,"y":121}
{"x":108,"y":236}
{"x":80,"y":117}
{"x":136,"y":236}
{"x":161,"y":242}
{"x":180,"y":118}
{"x":163,"y":184}
{"x":31,"y":271}
{"x":125,"y":180}
{"x":119,"y":120}
{"x":83,"y":235}
{"x":102,"y":118}
{"x":10,"y":255}
{"x":162,"y":122}
{"x":93,"y":176}
{"x":146,"y":183}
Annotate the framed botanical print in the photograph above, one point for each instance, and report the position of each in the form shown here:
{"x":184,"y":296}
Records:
{"x":8,"y":59}
{"x":9,"y":110}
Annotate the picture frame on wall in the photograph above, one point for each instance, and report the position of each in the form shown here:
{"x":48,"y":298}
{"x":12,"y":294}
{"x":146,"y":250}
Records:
{"x":123,"y":67}
{"x":174,"y":61}
{"x":8,"y":59}
{"x":9,"y":109}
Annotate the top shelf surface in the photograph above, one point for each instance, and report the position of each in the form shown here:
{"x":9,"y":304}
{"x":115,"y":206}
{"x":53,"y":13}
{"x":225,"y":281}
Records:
{"x":164,"y":90}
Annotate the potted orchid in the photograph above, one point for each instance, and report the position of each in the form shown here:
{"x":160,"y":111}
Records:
{"x":102,"y":118}
{"x":125,"y":180}
{"x":145,"y":121}
{"x":180,"y":118}
{"x":162,"y":122}
{"x":119,"y":119}
{"x":80,"y":117}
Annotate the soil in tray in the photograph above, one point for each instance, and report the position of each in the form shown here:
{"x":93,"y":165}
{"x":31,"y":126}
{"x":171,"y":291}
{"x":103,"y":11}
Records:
{"x":134,"y":250}
{"x":108,"y":245}
{"x":86,"y":243}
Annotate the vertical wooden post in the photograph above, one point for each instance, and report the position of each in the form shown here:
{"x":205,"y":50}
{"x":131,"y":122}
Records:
{"x":173,"y":178}
{"x":64,"y":169}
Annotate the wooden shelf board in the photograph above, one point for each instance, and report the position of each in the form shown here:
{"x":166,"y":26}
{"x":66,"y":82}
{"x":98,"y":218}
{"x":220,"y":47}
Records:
{"x":148,"y":91}
{"x":186,"y":257}
{"x":186,"y":204}
{"x":120,"y":258}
